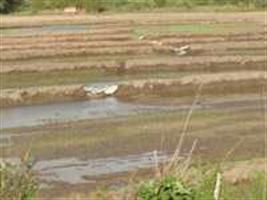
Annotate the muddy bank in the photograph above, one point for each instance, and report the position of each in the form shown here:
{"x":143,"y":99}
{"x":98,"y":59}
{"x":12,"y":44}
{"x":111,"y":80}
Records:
{"x":222,"y":83}
{"x":27,"y":96}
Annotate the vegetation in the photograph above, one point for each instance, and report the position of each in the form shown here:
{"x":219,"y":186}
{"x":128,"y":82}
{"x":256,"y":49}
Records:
{"x":7,"y":6}
{"x":130,"y":5}
{"x":167,"y":188}
{"x":171,"y":188}
{"x":18,"y":181}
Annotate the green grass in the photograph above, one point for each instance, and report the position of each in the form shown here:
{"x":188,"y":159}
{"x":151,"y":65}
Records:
{"x":81,"y":76}
{"x":179,"y":28}
{"x":18,"y":181}
{"x":175,"y":187}
{"x":250,"y":190}
{"x":130,"y":5}
{"x":193,"y":28}
{"x":31,"y":79}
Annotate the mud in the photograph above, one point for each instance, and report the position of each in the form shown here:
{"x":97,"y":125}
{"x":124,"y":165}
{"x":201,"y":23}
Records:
{"x":75,"y":171}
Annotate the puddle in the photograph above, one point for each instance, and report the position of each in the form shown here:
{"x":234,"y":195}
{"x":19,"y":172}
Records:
{"x":63,"y":28}
{"x":75,"y":171}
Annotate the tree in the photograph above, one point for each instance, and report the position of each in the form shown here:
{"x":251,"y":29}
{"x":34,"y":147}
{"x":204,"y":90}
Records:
{"x":7,"y":6}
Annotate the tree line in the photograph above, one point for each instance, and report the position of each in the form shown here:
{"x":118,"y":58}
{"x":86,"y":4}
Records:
{"x":7,"y":6}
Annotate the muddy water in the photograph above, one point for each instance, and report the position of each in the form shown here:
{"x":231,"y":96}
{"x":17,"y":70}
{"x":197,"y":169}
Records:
{"x":61,"y":28}
{"x":70,"y":111}
{"x":35,"y":115}
{"x":75,"y":171}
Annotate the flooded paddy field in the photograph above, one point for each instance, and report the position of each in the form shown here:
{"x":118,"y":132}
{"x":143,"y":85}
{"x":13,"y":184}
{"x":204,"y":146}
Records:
{"x":94,"y":97}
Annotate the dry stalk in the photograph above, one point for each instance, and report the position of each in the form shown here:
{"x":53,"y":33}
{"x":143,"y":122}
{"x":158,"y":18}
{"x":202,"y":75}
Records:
{"x":157,"y":168}
{"x":187,"y":162}
{"x":174,"y":160}
{"x":218,"y":186}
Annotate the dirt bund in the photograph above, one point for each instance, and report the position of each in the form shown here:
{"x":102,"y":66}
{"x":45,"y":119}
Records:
{"x":67,"y":38}
{"x":107,"y":35}
{"x":73,"y":45}
{"x":194,"y":63}
{"x":28,"y":96}
{"x":239,"y":82}
{"x":33,"y":54}
{"x":51,"y":49}
{"x":30,"y":21}
{"x":20,"y":45}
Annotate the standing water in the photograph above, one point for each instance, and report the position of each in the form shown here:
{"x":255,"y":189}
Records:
{"x":70,"y":111}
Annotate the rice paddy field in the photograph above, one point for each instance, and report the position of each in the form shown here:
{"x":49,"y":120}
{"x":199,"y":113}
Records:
{"x":162,"y":66}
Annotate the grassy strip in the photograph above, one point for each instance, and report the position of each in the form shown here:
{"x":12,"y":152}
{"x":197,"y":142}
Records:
{"x":81,"y":76}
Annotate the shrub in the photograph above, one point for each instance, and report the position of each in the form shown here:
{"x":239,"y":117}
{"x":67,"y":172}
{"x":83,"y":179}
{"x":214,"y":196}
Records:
{"x":17,"y":181}
{"x":7,"y":6}
{"x":166,"y":189}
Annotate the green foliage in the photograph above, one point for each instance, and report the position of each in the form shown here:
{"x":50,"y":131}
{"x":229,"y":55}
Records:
{"x":17,"y":182}
{"x":166,"y":189}
{"x":206,"y":187}
{"x":7,"y":6}
{"x":160,"y":3}
{"x":252,"y":189}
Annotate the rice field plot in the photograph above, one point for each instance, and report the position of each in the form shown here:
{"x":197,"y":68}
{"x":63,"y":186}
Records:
{"x":157,"y":65}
